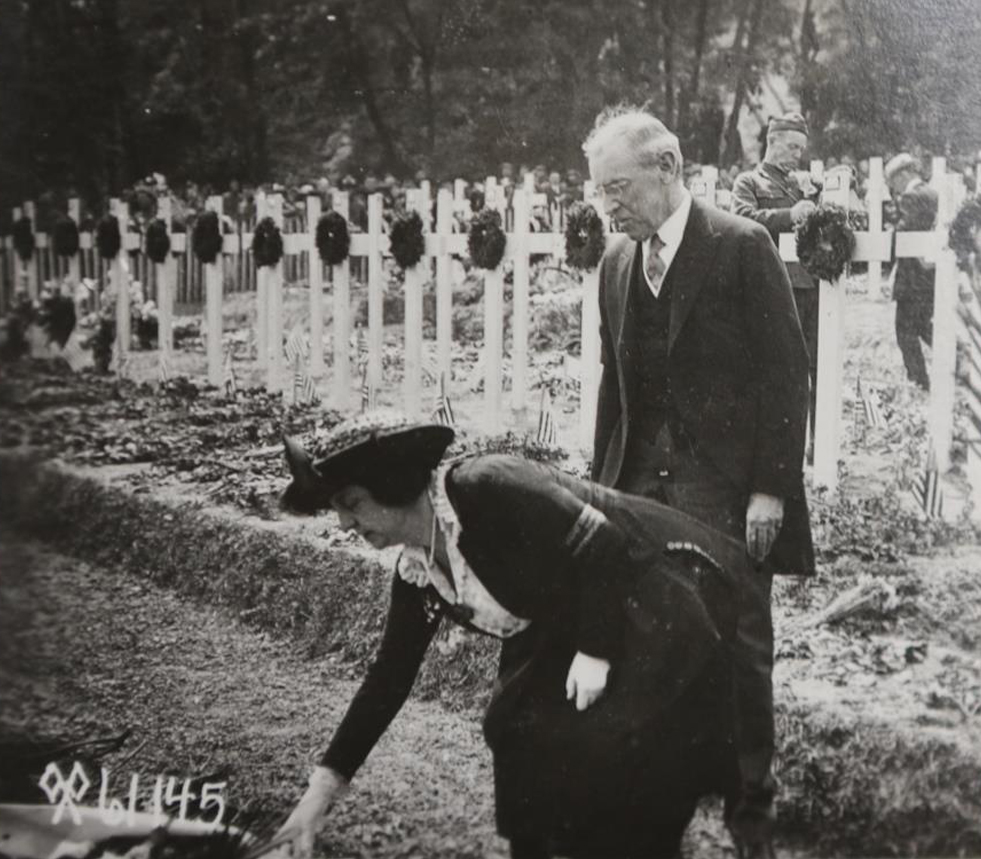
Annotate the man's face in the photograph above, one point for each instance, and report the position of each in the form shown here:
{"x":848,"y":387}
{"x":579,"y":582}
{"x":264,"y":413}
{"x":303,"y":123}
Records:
{"x":786,"y":149}
{"x":637,"y":198}
{"x":897,"y":183}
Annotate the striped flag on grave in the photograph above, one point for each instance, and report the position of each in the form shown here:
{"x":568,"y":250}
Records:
{"x":296,"y":346}
{"x":972,"y":324}
{"x":974,"y":405}
{"x":547,"y":434}
{"x":309,"y":391}
{"x":304,"y":388}
{"x":869,"y":399}
{"x":444,"y":411}
{"x":367,"y":391}
{"x":228,"y":381}
{"x":928,"y":490}
{"x":361,"y":343}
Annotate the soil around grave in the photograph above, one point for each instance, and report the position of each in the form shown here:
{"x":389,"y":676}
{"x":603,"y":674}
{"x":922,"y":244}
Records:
{"x":880,"y":748}
{"x":88,"y":650}
{"x":91,"y":651}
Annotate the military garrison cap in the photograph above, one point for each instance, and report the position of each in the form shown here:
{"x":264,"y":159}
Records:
{"x":788,"y":122}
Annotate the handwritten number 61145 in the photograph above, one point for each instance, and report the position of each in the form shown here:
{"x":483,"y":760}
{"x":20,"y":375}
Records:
{"x":65,"y":794}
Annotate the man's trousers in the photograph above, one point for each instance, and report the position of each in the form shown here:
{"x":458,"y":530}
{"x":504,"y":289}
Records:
{"x":674,"y":474}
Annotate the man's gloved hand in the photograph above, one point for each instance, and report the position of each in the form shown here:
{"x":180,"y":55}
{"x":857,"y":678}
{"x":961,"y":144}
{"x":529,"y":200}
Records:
{"x":301,"y":826}
{"x":586,"y":680}
{"x":801,"y":209}
{"x":764,"y":516}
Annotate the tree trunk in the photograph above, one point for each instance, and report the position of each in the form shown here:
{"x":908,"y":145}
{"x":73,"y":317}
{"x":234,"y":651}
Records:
{"x":667,"y":42}
{"x":256,"y":157}
{"x":428,"y":105}
{"x":690,"y":93}
{"x":730,"y":138}
{"x":361,"y":65}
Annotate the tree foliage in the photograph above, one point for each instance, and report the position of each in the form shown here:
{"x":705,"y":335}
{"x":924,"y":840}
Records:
{"x":105,"y":91}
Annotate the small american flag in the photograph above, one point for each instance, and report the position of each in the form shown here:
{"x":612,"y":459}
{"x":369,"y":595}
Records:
{"x":361,"y":342}
{"x":547,"y":434}
{"x":869,"y":399}
{"x":974,"y":407}
{"x":367,"y":391}
{"x":304,"y":388}
{"x":972,"y":324}
{"x":228,"y":381}
{"x":309,"y":390}
{"x":444,"y":411}
{"x":928,"y":490}
{"x":296,"y":346}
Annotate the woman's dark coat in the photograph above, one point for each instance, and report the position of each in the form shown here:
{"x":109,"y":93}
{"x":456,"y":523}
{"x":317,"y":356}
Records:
{"x":647,"y":588}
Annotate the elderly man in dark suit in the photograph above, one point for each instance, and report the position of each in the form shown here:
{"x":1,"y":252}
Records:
{"x":775,"y":195}
{"x":703,"y":397}
{"x":916,"y":206}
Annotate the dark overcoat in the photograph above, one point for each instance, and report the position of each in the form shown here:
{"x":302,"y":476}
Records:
{"x":914,"y":276}
{"x":595,"y":571}
{"x":737,"y":366}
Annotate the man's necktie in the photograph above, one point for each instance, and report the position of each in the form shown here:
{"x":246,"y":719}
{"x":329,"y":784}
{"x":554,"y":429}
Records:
{"x":655,"y":265}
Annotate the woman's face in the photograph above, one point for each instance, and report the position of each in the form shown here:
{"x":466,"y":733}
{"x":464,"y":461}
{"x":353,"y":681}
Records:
{"x":379,"y":524}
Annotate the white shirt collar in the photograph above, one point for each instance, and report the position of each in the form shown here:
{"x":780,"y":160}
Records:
{"x":671,"y":233}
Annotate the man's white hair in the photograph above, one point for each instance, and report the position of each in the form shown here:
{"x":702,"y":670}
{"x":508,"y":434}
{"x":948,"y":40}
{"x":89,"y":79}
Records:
{"x":645,"y":135}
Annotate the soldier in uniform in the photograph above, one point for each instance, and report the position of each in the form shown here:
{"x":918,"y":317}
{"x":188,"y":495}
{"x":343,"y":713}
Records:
{"x":916,"y":208}
{"x":778,"y":197}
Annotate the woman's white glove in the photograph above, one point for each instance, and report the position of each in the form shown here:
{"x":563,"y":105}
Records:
{"x":325,"y":787}
{"x":586,"y":680}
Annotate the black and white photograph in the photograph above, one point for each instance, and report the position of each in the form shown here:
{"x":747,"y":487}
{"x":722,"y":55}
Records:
{"x":490,"y":429}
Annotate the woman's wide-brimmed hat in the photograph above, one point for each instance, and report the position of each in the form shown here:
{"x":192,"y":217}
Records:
{"x":374,"y":440}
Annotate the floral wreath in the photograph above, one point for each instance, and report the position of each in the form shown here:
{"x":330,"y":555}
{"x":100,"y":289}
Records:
{"x":267,"y":243}
{"x":65,"y":237}
{"x":23,"y":233}
{"x":206,"y":237}
{"x":965,"y":232}
{"x":333,"y":238}
{"x":825,"y":241}
{"x":108,"y":239}
{"x":486,"y":240}
{"x":585,"y":238}
{"x":406,"y":240}
{"x":157,"y":240}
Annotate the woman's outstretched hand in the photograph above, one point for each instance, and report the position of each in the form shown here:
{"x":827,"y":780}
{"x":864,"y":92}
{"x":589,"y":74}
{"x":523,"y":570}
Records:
{"x":586,"y":680}
{"x":305,"y":820}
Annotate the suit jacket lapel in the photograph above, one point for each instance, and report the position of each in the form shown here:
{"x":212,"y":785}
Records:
{"x":623,"y":277}
{"x":629,"y":258}
{"x":690,"y":267}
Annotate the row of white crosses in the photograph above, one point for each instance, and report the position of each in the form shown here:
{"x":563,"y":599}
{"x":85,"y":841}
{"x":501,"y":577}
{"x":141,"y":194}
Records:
{"x":875,"y":248}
